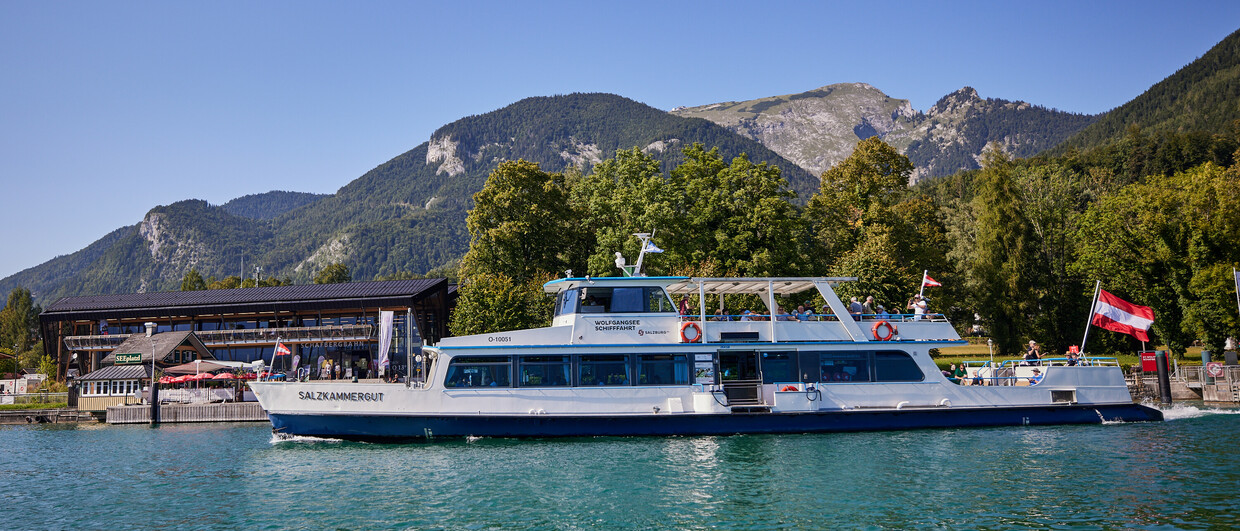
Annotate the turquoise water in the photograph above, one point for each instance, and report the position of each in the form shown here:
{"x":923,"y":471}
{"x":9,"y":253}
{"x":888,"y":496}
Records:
{"x":1175,"y":474}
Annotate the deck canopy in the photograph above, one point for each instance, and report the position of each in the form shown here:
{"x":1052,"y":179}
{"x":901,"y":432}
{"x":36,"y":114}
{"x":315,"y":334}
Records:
{"x":731,"y":286}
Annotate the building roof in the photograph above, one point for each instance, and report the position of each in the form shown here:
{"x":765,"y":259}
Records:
{"x":244,"y":300}
{"x":164,"y":344}
{"x":120,"y":372}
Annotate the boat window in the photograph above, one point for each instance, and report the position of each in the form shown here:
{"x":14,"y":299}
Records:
{"x":896,"y":366}
{"x":618,"y":300}
{"x":658,"y":301}
{"x":545,"y":371}
{"x":566,"y":302}
{"x":628,"y":300}
{"x":479,"y":371}
{"x":779,"y":367}
{"x":835,"y":366}
{"x":662,"y":369}
{"x":603,"y":369}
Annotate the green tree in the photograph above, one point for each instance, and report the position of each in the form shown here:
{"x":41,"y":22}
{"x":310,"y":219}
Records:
{"x":1169,"y":243}
{"x":626,"y":194}
{"x":193,"y":281}
{"x":999,"y":274}
{"x":335,"y":273}
{"x":494,"y":302}
{"x":519,"y":223}
{"x":19,"y":321}
{"x":231,"y":282}
{"x":735,"y":217}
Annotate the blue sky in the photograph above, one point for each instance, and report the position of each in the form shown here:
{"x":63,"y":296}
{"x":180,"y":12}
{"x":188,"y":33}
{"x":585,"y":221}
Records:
{"x":108,"y":109}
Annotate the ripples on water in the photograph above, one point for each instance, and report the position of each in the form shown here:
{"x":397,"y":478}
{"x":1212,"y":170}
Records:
{"x":1180,"y":473}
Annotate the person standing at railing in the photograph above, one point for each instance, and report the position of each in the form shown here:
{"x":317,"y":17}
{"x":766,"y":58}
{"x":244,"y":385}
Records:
{"x":1033,"y":354}
{"x":868,"y":307}
{"x":919,"y":307}
{"x":854,"y":309}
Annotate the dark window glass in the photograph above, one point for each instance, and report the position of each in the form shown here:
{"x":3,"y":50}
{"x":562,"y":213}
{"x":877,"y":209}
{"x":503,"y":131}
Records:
{"x":779,"y":367}
{"x":662,"y":369}
{"x":827,"y":367}
{"x":628,"y":300}
{"x":896,"y":366}
{"x":609,"y":369}
{"x":488,"y":371}
{"x":546,"y":371}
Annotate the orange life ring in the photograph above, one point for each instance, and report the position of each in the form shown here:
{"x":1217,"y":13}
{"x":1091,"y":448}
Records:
{"x":697,"y":332}
{"x":891,"y":330}
{"x":789,"y":388}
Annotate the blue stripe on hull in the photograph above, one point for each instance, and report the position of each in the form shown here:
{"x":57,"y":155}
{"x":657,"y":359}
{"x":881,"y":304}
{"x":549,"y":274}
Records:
{"x":395,"y":428}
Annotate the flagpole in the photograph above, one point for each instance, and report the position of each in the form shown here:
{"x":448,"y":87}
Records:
{"x":922,"y":291}
{"x":1090,"y":319}
{"x":1236,"y":275}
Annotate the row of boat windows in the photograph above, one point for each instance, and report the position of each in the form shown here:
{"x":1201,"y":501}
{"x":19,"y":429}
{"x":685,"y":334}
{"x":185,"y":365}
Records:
{"x":613,"y":300}
{"x":590,"y":370}
{"x":558,"y":371}
{"x":828,"y":367}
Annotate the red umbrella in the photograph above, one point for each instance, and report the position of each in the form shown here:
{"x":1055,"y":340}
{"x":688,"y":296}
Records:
{"x":223,"y":376}
{"x":165,"y":380}
{"x":183,"y":378}
{"x":203,"y":376}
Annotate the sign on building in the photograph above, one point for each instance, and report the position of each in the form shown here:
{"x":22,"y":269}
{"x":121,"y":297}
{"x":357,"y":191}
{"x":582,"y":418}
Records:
{"x":128,"y":359}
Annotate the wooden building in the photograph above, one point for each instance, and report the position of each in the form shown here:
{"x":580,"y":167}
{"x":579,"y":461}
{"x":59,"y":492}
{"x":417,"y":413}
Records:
{"x":337,"y":321}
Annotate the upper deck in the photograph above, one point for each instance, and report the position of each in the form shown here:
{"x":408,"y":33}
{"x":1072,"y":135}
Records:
{"x":641,"y":311}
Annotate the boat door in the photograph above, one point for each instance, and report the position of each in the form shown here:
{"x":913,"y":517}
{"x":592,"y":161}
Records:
{"x":740,"y":373}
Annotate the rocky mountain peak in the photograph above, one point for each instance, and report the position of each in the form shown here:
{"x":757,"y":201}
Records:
{"x":965,"y":97}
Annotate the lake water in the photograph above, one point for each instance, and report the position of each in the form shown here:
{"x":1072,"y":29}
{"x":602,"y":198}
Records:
{"x":1174,"y":474}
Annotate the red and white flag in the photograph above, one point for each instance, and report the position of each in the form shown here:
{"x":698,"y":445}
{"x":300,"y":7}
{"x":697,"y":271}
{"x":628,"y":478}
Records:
{"x":927,"y":281}
{"x":1118,"y":315}
{"x":282,"y":349}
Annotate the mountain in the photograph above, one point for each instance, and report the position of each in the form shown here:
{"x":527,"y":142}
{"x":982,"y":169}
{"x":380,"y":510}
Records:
{"x":818,"y":128}
{"x":405,"y":215}
{"x":1203,"y":96}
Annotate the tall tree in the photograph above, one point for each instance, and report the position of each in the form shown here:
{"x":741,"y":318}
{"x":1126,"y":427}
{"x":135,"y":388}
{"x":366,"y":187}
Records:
{"x":625,"y":194}
{"x":19,"y":321}
{"x":999,"y":273}
{"x":735,"y":216}
{"x":193,"y":281}
{"x":519,"y":222}
{"x":519,"y":228}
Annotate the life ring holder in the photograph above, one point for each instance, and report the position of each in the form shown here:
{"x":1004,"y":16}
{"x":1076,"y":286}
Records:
{"x":891,"y":330}
{"x":789,"y":388}
{"x":697,"y":332}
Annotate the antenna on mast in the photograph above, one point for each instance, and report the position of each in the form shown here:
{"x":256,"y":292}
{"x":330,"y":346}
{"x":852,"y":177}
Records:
{"x":648,"y":246}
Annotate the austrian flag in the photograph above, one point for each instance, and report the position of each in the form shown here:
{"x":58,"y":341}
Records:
{"x":927,"y":281}
{"x":282,"y":349}
{"x":1118,"y":315}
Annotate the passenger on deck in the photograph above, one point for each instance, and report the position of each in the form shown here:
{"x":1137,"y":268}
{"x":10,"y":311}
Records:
{"x":1036,"y":378}
{"x":958,"y":373}
{"x":747,"y":316}
{"x":826,"y":312}
{"x":977,"y":379}
{"x":854,"y":309}
{"x":781,"y":315}
{"x":684,"y":307}
{"x":868,"y":307}
{"x":919,"y":306}
{"x":1033,"y":355}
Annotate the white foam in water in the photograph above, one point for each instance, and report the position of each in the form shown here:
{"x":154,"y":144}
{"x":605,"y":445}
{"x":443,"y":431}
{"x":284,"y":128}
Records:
{"x":1183,"y":411}
{"x":278,"y":438}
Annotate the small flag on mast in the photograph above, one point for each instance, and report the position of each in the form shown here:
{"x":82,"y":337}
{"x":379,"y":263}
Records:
{"x":652,"y":248}
{"x":927,"y":281}
{"x":282,"y":349}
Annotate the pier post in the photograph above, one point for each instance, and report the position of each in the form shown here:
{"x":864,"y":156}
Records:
{"x":1164,"y":377}
{"x":1205,"y":362}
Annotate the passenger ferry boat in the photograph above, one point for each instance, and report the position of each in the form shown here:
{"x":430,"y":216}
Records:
{"x":618,"y":359}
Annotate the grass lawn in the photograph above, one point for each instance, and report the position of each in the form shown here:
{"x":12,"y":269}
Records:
{"x":14,"y":407}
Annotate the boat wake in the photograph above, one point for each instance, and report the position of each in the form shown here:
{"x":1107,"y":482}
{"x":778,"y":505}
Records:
{"x":1182,"y":411}
{"x":277,"y":438}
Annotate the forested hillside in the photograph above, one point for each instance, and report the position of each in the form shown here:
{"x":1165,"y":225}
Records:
{"x":270,"y":204}
{"x":1202,"y":97}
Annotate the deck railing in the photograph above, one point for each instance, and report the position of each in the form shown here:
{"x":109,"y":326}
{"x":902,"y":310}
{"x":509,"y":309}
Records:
{"x":248,"y":336}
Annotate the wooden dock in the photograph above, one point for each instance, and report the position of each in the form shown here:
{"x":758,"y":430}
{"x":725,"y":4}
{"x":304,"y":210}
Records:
{"x":171,"y":413}
{"x":44,"y":416}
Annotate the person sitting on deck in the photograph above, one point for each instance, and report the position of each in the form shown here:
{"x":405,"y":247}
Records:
{"x":977,"y":379}
{"x":1036,"y":378}
{"x":1033,"y":354}
{"x":958,"y":373}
